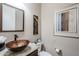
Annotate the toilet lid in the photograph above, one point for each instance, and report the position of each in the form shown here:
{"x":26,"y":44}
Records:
{"x":44,"y":53}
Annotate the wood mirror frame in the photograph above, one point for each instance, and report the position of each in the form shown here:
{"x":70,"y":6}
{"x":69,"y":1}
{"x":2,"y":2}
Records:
{"x":1,"y":19}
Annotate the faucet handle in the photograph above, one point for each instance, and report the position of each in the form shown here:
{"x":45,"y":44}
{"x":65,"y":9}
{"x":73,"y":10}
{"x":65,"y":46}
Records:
{"x":15,"y":37}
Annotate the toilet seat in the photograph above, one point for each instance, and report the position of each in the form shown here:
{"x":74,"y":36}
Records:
{"x":44,"y":53}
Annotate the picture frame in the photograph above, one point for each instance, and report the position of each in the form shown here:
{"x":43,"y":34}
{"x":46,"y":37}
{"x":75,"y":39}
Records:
{"x":35,"y":24}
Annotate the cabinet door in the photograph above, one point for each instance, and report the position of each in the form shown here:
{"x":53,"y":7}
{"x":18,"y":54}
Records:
{"x":34,"y":53}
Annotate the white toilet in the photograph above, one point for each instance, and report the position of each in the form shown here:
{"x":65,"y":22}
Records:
{"x":42,"y":53}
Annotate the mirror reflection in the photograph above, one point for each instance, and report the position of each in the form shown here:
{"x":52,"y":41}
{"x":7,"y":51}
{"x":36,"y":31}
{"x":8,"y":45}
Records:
{"x":12,"y":18}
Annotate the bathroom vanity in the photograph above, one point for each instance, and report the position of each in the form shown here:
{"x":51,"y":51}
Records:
{"x":31,"y":50}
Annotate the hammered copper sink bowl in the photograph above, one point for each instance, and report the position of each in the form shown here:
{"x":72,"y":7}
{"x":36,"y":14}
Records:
{"x":18,"y":45}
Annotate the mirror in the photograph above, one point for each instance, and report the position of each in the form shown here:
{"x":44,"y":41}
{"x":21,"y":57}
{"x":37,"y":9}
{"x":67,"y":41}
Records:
{"x":66,"y":20}
{"x":12,"y":19}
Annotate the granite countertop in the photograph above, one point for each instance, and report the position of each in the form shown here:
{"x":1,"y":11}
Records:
{"x":31,"y":47}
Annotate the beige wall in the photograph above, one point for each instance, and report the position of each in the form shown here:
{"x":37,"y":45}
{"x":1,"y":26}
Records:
{"x":70,"y":46}
{"x":30,"y":10}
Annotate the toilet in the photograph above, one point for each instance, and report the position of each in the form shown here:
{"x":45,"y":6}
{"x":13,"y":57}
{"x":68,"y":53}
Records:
{"x":42,"y":52}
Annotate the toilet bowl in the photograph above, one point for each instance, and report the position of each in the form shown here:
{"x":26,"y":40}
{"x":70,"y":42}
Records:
{"x":44,"y":53}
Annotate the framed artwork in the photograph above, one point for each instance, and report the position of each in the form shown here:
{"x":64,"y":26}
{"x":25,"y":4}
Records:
{"x":35,"y":24}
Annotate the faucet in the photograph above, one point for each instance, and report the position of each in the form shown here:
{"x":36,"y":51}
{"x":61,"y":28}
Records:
{"x":15,"y":37}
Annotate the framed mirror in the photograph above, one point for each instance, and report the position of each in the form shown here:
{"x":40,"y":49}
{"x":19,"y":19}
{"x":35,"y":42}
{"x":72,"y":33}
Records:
{"x":12,"y":18}
{"x":66,"y":22}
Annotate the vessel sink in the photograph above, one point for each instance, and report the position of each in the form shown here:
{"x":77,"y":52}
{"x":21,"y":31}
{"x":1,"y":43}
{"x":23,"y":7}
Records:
{"x":18,"y":45}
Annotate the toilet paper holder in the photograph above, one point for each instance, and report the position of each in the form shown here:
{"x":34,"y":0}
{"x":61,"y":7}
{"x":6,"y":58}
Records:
{"x":58,"y":51}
